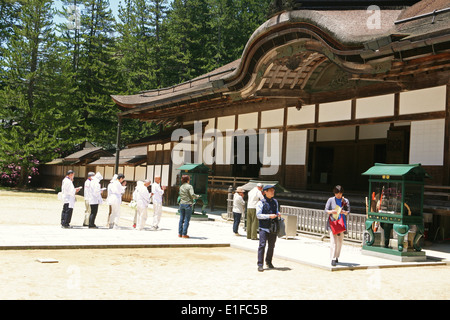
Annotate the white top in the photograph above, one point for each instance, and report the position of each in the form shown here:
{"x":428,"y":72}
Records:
{"x":68,"y":191}
{"x":253,"y":197}
{"x":141,"y":194}
{"x":115,"y":192}
{"x":87,"y":189}
{"x":157,"y":192}
{"x":238,"y":203}
{"x":95,"y":192}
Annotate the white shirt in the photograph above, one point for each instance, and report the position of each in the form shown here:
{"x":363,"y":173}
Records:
{"x":68,"y":191}
{"x":157,"y":192}
{"x":238,"y":203}
{"x":115,"y":191}
{"x":87,"y":189}
{"x":141,"y":195}
{"x":95,"y":192}
{"x":253,"y":197}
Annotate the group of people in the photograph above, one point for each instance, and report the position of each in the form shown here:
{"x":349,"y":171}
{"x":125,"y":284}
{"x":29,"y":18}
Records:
{"x":263,"y":210}
{"x":116,"y":188}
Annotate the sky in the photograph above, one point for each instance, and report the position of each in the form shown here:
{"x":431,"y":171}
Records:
{"x":114,"y":5}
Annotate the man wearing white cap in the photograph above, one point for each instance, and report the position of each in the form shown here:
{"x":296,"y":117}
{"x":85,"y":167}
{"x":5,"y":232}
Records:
{"x":252,"y":222}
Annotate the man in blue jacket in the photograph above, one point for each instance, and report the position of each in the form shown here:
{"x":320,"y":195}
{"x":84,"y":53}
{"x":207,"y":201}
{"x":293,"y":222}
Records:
{"x":266,"y":211}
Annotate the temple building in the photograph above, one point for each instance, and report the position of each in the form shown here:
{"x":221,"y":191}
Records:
{"x":340,"y":85}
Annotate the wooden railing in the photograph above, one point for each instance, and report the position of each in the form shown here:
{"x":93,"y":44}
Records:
{"x":220,"y":181}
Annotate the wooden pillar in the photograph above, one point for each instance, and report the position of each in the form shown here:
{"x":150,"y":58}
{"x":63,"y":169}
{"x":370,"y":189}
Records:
{"x":119,"y":128}
{"x":283,"y":148}
{"x":446,"y":178}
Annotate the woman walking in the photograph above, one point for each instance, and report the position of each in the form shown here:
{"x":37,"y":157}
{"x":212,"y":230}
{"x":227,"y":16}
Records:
{"x":186,"y":198}
{"x":337,"y":207}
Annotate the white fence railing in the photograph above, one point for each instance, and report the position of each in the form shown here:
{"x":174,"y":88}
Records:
{"x":313,"y":221}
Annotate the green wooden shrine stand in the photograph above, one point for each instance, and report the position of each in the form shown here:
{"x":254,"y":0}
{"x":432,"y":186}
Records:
{"x":395,"y":203}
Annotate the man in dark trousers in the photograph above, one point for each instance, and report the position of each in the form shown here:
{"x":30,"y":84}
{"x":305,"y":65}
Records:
{"x":266,"y":211}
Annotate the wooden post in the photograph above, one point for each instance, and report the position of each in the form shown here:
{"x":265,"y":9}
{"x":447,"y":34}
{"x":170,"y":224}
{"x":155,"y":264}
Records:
{"x":119,"y":127}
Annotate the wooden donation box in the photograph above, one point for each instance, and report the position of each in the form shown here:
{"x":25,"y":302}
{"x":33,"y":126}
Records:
{"x":395,"y":203}
{"x":198,"y":173}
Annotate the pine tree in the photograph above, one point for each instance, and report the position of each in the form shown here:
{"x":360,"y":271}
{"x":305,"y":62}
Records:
{"x":33,"y":124}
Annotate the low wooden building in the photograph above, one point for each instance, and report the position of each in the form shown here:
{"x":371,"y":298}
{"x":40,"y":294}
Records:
{"x":346,"y":86}
{"x":52,"y":173}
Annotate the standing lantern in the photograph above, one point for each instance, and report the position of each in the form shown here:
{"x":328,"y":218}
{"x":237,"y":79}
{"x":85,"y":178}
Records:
{"x":198,"y":174}
{"x":395,"y":202}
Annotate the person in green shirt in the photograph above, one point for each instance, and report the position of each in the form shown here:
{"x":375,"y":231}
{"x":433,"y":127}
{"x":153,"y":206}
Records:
{"x":186,"y":198}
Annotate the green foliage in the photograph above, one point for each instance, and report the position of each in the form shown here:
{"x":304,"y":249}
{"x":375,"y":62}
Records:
{"x":56,"y":80}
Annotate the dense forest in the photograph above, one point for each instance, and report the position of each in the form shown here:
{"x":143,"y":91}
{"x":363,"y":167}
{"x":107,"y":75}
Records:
{"x":56,"y":78}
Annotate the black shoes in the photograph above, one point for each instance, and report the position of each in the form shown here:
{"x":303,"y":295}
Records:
{"x":268,"y":264}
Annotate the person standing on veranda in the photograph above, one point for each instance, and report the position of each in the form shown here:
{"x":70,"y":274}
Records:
{"x":157,"y":192}
{"x":254,"y":196}
{"x":87,"y":211}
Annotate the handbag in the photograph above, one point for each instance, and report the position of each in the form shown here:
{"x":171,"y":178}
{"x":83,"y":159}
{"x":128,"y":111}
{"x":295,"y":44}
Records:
{"x":282,"y":228}
{"x":274,"y":226}
{"x":337,"y":225}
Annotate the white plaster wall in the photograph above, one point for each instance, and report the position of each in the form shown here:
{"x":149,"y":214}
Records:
{"x":427,"y":142}
{"x":272,"y":118}
{"x":335,"y":111}
{"x":248,"y":121}
{"x":140,"y":173}
{"x":303,"y":116}
{"x":109,"y":173}
{"x":373,"y":107}
{"x":296,"y":145}
{"x":424,"y":100}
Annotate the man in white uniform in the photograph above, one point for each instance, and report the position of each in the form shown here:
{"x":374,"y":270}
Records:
{"x":142,"y":202}
{"x":87,"y":211}
{"x":115,"y":191}
{"x":95,"y":198}
{"x":68,"y":196}
{"x":157,"y":192}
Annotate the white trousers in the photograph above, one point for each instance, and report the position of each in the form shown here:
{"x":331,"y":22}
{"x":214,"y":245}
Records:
{"x":115,"y":215}
{"x":335,"y":244}
{"x":141,"y":217}
{"x":87,"y":212}
{"x":157,"y":211}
